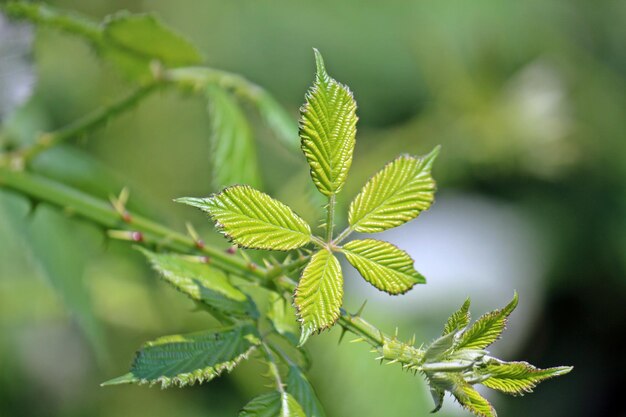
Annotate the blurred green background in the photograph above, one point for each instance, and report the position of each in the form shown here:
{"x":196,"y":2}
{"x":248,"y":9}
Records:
{"x":528,"y":100}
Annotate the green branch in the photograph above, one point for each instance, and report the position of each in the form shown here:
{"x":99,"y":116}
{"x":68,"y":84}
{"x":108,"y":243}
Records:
{"x":105,"y":215}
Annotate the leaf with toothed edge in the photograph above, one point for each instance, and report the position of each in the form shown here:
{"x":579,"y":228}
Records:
{"x":254,"y":220}
{"x":202,"y":283}
{"x":458,"y":320}
{"x":182,"y":360}
{"x":383,"y":265}
{"x":471,"y":400}
{"x":487,"y":329}
{"x":517,"y":378}
{"x":395,"y":195}
{"x":438,"y":395}
{"x":328,"y":130}
{"x":273,"y":404}
{"x":319,"y":294}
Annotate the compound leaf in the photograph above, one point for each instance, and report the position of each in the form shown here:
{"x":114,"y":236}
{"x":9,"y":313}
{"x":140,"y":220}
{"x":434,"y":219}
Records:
{"x":395,"y":195}
{"x":253,"y":219}
{"x":383,"y":265}
{"x":233,"y":152}
{"x":202,"y":283}
{"x":458,"y":320}
{"x":188,"y":359}
{"x":273,"y":404}
{"x":319,"y":294}
{"x":328,"y":130}
{"x":299,"y":386}
{"x":517,"y":378}
{"x":487,"y":329}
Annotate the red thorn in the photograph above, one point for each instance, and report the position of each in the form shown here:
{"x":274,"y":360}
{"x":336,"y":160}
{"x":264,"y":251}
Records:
{"x":232,"y":250}
{"x":136,"y":236}
{"x":200,"y":244}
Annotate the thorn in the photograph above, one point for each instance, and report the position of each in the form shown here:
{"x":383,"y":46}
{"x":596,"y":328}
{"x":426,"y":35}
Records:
{"x":343,"y":333}
{"x":392,"y":361}
{"x":357,"y":340}
{"x":132,"y":236}
{"x":232,"y":250}
{"x":252,"y":266}
{"x":396,"y":333}
{"x":360,"y":310}
{"x":119,"y":204}
{"x":412,"y":341}
{"x":267,"y":264}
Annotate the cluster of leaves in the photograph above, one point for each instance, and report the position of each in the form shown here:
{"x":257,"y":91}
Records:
{"x":393,"y":196}
{"x":268,"y":326}
{"x":457,"y":360}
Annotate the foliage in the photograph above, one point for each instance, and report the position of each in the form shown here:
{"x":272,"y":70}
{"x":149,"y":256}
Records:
{"x":152,"y":56}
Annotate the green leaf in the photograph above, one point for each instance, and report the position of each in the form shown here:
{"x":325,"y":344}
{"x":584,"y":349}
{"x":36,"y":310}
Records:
{"x":471,"y":400}
{"x":202,"y":283}
{"x":299,"y":386}
{"x":282,"y":315}
{"x":319,"y":294}
{"x":438,"y":395}
{"x":517,"y":378}
{"x":328,"y":130}
{"x":395,"y":195}
{"x":233,"y":151}
{"x":144,"y":35}
{"x":252,"y":219}
{"x":458,"y":320}
{"x":487,"y":329}
{"x":273,"y":404}
{"x":278,"y":120}
{"x":188,"y":359}
{"x":439,"y":347}
{"x":383,"y":265}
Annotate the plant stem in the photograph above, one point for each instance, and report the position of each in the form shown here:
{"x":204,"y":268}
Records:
{"x":271,"y":360}
{"x":103,"y":214}
{"x":330,"y":218}
{"x":87,"y":123}
{"x":343,"y":235}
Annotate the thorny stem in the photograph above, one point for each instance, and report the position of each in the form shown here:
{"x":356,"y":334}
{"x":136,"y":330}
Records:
{"x":103,"y":214}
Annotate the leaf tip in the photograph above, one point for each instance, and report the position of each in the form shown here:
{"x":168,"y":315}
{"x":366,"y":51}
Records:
{"x":319,"y":65}
{"x":124,"y":379}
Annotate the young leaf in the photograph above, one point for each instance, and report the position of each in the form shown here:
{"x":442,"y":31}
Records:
{"x":233,"y":153}
{"x":395,"y":195}
{"x":383,"y":265}
{"x":438,"y":395}
{"x":328,"y":130}
{"x":202,"y":283}
{"x":319,"y":294}
{"x":273,"y":404}
{"x":186,"y":359}
{"x":471,"y":400}
{"x":438,"y":347}
{"x":517,"y":378}
{"x":146,"y":36}
{"x":487,"y":329}
{"x":253,"y":219}
{"x":299,"y":386}
{"x":458,"y":320}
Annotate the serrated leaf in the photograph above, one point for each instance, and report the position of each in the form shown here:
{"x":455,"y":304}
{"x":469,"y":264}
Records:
{"x":273,"y":404}
{"x":299,"y":386}
{"x":144,"y":35}
{"x":202,"y":283}
{"x":517,"y":378}
{"x":395,"y":195}
{"x":282,"y":316}
{"x":233,"y":151}
{"x":328,"y":130}
{"x":252,"y":219}
{"x":487,"y":329}
{"x":319,"y":294}
{"x":458,"y":320}
{"x":439,"y":347}
{"x":188,"y":359}
{"x":471,"y":400}
{"x":278,"y":120}
{"x":383,"y":265}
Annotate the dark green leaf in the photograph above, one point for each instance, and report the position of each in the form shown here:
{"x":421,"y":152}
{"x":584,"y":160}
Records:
{"x":299,"y":386}
{"x":273,"y":404}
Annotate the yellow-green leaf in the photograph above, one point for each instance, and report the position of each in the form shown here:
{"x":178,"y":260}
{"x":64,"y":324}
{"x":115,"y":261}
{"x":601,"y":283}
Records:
{"x":328,"y":130}
{"x":383,"y":265}
{"x":471,"y":400}
{"x":517,"y":378}
{"x":395,"y":195}
{"x":487,"y":329}
{"x":319,"y":294}
{"x":253,"y":219}
{"x":458,"y":320}
{"x":202,"y":283}
{"x":188,"y":359}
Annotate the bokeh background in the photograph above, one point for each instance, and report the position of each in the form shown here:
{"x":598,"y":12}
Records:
{"x":528,"y":100}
